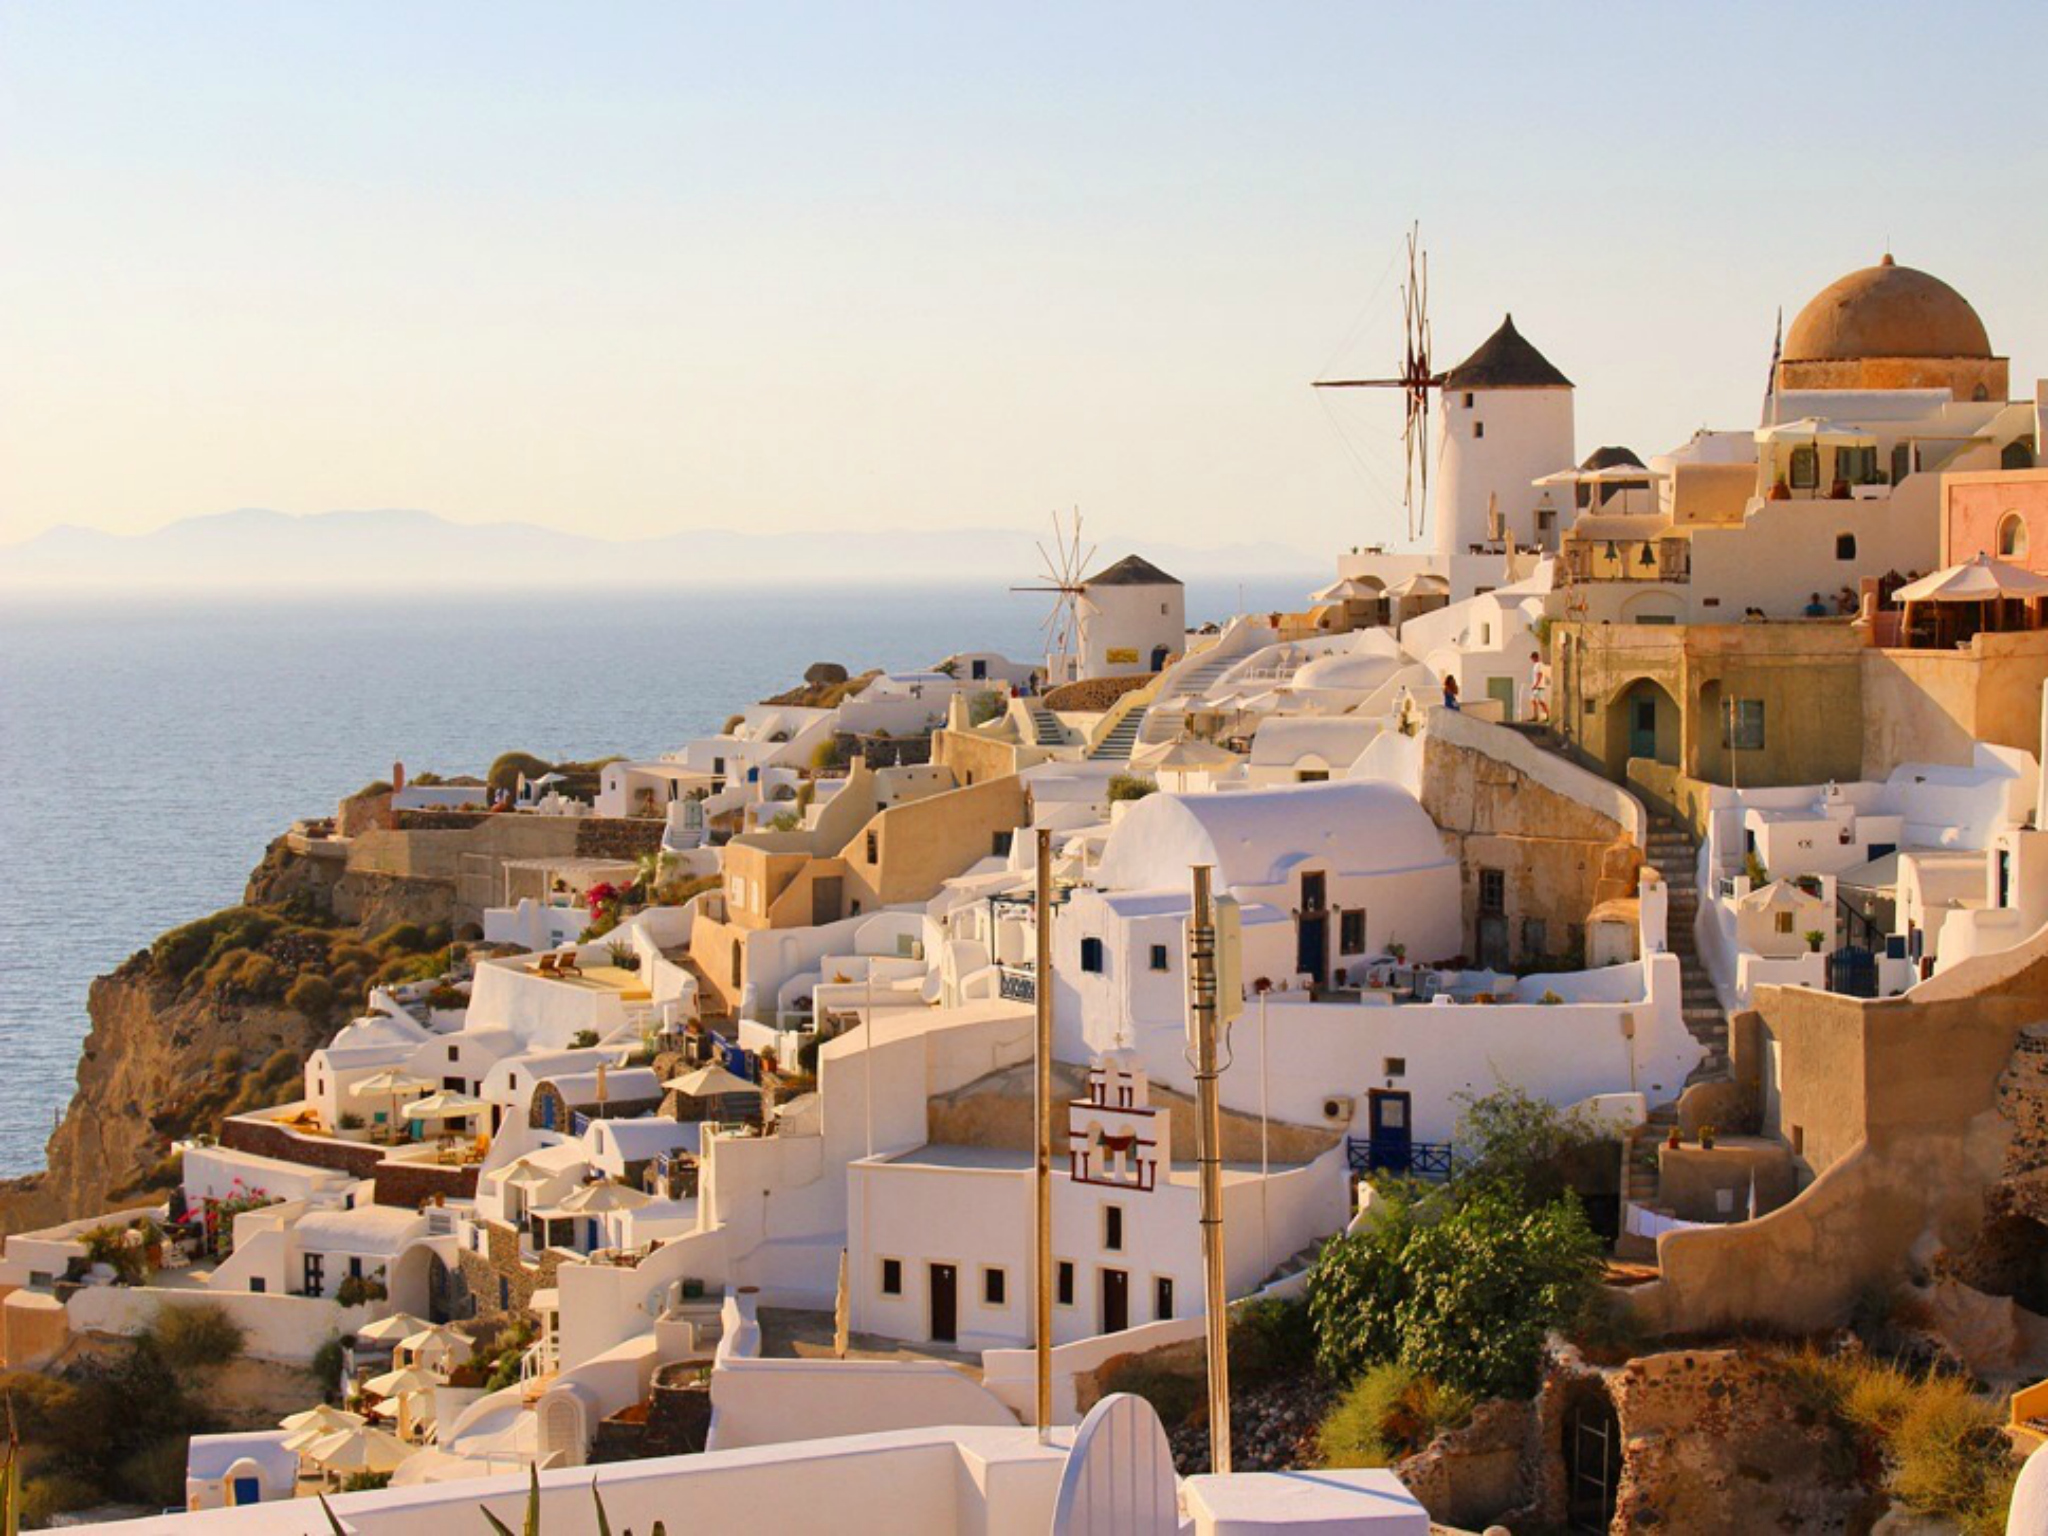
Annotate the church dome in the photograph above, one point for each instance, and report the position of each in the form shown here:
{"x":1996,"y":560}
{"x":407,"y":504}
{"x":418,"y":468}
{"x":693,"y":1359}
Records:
{"x":1886,"y":311}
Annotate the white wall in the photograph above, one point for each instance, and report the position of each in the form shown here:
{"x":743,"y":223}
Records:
{"x":287,"y":1328}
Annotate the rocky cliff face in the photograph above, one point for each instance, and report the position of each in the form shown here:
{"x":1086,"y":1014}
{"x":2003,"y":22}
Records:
{"x":171,"y":1051}
{"x":155,"y":1066}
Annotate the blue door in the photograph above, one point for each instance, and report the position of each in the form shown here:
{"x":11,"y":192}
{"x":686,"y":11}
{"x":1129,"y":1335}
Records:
{"x":590,"y":1235}
{"x":547,"y":1113}
{"x":248,"y":1491}
{"x":1392,"y":1133}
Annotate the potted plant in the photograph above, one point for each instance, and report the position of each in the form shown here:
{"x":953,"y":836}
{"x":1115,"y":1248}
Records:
{"x":1707,"y":1138}
{"x":1780,"y":491}
{"x":1399,"y":951}
{"x":1674,"y":1140}
{"x":1814,"y":939}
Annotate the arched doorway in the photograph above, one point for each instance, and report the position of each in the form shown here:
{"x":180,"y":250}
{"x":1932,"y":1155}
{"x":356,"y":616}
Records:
{"x":410,"y":1282}
{"x":564,"y":1431}
{"x":1642,"y":721}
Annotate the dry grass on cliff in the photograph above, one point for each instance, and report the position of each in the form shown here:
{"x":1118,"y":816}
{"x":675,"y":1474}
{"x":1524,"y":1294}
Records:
{"x":1940,"y":1444}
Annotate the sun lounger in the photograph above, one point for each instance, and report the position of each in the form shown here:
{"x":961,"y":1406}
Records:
{"x":565,"y":965}
{"x":546,"y":966}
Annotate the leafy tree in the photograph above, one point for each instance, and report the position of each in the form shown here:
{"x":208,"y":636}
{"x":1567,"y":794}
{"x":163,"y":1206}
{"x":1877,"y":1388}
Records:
{"x":1130,"y":786}
{"x":1358,"y":1285}
{"x":1510,"y":1140}
{"x":985,"y":706}
{"x":1486,"y":1283}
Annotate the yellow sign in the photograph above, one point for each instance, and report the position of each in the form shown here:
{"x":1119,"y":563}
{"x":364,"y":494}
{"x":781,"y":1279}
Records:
{"x":1117,"y":654}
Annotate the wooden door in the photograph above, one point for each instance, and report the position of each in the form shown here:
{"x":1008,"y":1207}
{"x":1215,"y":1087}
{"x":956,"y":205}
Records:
{"x":1392,"y":1133}
{"x":1116,"y":1300}
{"x":945,"y":1301}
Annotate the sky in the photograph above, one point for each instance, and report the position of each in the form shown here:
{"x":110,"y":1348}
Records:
{"x":639,"y":268}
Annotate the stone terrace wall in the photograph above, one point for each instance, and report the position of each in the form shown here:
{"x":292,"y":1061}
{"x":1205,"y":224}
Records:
{"x":407,"y":1186}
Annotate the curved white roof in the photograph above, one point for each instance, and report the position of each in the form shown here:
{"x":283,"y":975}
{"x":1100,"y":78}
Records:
{"x":1352,"y":672}
{"x":376,"y":1230}
{"x":1361,"y":826}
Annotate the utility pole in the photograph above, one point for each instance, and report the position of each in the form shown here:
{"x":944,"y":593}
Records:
{"x":1203,"y":1013}
{"x":1041,"y":1103}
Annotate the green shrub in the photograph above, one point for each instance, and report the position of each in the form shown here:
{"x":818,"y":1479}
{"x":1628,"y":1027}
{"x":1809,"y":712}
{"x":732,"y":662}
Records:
{"x":360,"y":1482}
{"x":311,"y":995}
{"x":1511,"y":1140}
{"x":1463,"y":1294}
{"x":155,"y":1474}
{"x":1130,"y":786}
{"x":360,"y":1290}
{"x":196,"y":945}
{"x":195,"y":1335}
{"x":1271,"y":1340}
{"x":406,"y":938}
{"x":986,"y":706}
{"x":1950,"y":1458}
{"x":505,"y":771}
{"x":1177,"y":1397}
{"x":57,"y":1492}
{"x":327,"y":1362}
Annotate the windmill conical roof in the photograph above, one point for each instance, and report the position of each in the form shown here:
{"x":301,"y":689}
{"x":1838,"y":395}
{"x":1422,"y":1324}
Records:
{"x":1506,"y":360}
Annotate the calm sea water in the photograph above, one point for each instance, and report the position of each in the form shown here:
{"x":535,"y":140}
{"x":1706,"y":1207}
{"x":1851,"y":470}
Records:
{"x":150,"y":750}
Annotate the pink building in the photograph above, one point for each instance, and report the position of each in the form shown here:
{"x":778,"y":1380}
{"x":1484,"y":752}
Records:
{"x":2002,"y":513}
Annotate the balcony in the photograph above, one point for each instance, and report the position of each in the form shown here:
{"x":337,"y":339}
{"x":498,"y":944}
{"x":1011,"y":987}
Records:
{"x":1017,"y":983}
{"x":1665,"y":560}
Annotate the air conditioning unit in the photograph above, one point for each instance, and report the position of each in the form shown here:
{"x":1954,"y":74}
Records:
{"x":1338,"y":1109}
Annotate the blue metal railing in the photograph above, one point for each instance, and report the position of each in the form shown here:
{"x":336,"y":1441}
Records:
{"x":1418,"y":1159}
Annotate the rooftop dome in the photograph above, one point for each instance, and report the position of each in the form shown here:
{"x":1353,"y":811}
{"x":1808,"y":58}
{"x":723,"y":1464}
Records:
{"x":1886,"y":311}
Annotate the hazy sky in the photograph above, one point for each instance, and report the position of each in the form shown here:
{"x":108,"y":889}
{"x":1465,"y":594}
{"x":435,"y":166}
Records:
{"x":650,"y":266}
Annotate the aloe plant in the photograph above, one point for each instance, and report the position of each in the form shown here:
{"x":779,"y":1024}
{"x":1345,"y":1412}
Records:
{"x":531,"y":1525}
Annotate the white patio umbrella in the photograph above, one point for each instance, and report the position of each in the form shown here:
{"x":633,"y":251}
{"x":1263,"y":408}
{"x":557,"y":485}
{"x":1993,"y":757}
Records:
{"x":604,"y":1198}
{"x":322,"y":1416}
{"x":710,"y":1081}
{"x":1980,"y":580}
{"x":400,"y":1383}
{"x":443,"y":1105}
{"x":1347,"y":589}
{"x":390,"y":1081}
{"x":1815,"y":429}
{"x":358,"y":1450}
{"x":389,"y":1330}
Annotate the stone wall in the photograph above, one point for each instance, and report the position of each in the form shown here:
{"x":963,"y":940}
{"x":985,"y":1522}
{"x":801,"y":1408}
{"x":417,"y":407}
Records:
{"x":1559,"y":858}
{"x":482,"y":1272}
{"x":617,"y":837}
{"x":1714,"y":1443}
{"x":407,"y":1186}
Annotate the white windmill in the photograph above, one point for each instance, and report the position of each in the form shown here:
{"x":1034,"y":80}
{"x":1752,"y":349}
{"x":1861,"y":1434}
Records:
{"x":1066,"y":563}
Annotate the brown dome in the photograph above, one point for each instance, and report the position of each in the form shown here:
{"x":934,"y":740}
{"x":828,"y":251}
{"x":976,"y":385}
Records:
{"x":1886,"y":311}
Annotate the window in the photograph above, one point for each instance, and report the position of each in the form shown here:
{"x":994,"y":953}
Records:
{"x":2012,"y":537}
{"x":511,"y":1080}
{"x":1857,"y":465}
{"x":1479,"y":429}
{"x":1091,"y":956}
{"x":1113,"y":1228}
{"x":1742,"y":726}
{"x":1314,"y":892}
{"x":504,"y":1294}
{"x":1805,"y":468}
{"x":1493,"y":892}
{"x":1063,"y":1285}
{"x":1546,"y":519}
{"x":995,"y":1287}
{"x":1535,"y":936}
{"x":874,"y":847}
{"x":455,"y":1053}
{"x":1162,"y":1298}
{"x":1902,"y":461}
{"x":999,"y":844}
{"x":1784,"y":922}
{"x":1351,"y":931}
{"x":1312,"y":776}
{"x":1159,"y":958}
{"x":1845,"y":546}
{"x":258,"y":1284}
{"x":892,"y":1277}
{"x":355,"y":1268}
{"x":1468,"y":399}
{"x":1394,"y":1066}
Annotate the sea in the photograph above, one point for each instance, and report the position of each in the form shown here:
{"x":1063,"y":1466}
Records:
{"x":151,"y":747}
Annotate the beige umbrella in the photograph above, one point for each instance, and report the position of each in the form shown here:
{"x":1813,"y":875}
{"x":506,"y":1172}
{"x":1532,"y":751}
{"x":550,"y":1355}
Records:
{"x":389,"y":1330}
{"x":324,"y":1417}
{"x":359,"y":1450}
{"x":443,"y":1105}
{"x":390,"y":1081}
{"x":400,"y":1383}
{"x":603,"y":1199}
{"x":710,"y":1081}
{"x":1981,"y":580}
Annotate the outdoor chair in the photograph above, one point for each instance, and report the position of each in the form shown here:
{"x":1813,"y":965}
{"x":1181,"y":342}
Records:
{"x":565,"y":965}
{"x":546,"y":966}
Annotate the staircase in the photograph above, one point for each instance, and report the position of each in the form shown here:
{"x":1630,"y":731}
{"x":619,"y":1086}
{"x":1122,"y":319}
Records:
{"x":1164,"y":724}
{"x":1046,"y":730}
{"x":1674,"y":855}
{"x":1123,"y":736}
